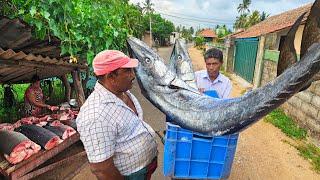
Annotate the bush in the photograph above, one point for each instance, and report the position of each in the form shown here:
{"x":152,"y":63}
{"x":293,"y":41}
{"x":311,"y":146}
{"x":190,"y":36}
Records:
{"x":199,"y":41}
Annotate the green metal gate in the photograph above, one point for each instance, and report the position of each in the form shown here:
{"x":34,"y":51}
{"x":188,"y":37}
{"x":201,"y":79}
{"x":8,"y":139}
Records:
{"x":245,"y":57}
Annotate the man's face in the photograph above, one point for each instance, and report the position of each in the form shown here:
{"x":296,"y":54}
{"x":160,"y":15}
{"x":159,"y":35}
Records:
{"x":124,"y":79}
{"x":213,"y":66}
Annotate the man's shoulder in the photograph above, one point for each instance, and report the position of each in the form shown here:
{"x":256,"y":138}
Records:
{"x":224,"y":78}
{"x":95,"y":104}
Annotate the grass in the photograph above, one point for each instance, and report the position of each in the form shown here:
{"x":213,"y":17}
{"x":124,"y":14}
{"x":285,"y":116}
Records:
{"x":307,"y":150}
{"x":311,"y":152}
{"x":286,"y":124}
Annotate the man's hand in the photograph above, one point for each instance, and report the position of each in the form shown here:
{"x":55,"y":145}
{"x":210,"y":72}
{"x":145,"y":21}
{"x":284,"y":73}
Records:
{"x":201,"y":90}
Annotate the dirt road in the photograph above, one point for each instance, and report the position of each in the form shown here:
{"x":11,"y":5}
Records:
{"x":261,"y":153}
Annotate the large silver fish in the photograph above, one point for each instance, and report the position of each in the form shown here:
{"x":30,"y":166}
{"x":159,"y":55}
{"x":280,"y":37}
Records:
{"x":180,"y":63}
{"x":207,"y":115}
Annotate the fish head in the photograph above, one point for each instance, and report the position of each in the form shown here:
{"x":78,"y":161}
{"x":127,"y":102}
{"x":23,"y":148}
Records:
{"x":151,"y":66}
{"x":182,"y":57}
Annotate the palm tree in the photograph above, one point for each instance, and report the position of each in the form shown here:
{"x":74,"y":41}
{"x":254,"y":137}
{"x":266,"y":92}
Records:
{"x":254,"y":18}
{"x":244,"y":6}
{"x":241,"y":21}
{"x":264,"y":16}
{"x":149,"y":10}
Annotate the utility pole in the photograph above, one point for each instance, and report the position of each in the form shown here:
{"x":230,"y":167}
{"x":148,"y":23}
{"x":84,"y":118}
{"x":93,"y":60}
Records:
{"x":150,"y":30}
{"x":149,"y":10}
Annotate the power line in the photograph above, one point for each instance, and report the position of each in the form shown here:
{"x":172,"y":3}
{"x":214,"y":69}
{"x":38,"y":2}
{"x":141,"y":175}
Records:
{"x":195,"y":20}
{"x":189,"y":23}
{"x":193,"y":17}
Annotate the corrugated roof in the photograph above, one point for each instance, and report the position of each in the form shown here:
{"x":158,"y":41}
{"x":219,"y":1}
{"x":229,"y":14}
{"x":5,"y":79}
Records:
{"x":22,"y":55}
{"x":18,"y":67}
{"x":276,"y":23}
{"x":208,"y":33}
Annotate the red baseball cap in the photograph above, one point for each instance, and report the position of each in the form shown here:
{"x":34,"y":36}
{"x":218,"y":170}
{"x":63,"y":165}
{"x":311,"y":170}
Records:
{"x":109,"y":60}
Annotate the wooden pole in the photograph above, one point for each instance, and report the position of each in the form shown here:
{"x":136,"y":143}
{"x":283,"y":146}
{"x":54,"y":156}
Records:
{"x":67,"y":92}
{"x":78,"y":87}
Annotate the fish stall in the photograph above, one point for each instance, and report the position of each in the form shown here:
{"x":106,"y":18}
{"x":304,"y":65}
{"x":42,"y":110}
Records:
{"x":32,"y":146}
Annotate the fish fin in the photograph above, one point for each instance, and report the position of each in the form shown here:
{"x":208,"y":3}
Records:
{"x":288,"y":54}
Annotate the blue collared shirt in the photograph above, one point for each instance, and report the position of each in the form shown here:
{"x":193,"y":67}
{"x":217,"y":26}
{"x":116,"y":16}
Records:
{"x":222,"y":85}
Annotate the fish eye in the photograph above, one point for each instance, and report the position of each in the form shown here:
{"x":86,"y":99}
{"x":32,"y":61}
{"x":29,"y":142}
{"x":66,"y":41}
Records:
{"x":179,"y":57}
{"x":148,"y":61}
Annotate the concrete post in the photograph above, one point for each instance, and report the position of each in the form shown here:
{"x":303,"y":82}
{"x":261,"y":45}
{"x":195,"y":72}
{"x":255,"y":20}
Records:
{"x":229,"y":63}
{"x":259,"y":63}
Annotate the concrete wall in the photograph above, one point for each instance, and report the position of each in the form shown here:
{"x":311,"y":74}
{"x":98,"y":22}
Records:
{"x":304,"y":107}
{"x":269,"y":71}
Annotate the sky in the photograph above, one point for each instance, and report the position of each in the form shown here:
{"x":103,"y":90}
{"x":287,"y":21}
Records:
{"x":209,"y":13}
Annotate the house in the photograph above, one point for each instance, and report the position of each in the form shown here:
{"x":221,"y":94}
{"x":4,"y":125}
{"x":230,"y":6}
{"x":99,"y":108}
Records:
{"x":209,"y":35}
{"x":256,"y":53}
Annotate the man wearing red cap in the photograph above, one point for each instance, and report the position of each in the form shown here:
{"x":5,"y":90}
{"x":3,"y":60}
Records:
{"x":118,"y":143}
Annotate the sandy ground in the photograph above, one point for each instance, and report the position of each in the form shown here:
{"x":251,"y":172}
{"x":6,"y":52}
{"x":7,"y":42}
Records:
{"x":262,"y":151}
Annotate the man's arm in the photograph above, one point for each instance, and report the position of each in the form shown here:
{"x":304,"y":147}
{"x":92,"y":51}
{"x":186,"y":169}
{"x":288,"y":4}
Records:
{"x":106,"y":170}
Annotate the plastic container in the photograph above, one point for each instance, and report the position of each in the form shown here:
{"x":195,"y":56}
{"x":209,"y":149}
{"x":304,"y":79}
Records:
{"x":212,"y":93}
{"x":191,"y":155}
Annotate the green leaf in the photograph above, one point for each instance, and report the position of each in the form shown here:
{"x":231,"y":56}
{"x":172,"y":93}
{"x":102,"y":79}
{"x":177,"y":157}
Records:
{"x":64,"y":50}
{"x":115,"y":33}
{"x":46,"y":15}
{"x":33,"y":11}
{"x":108,"y":43}
{"x":90,"y":56}
{"x":21,"y":11}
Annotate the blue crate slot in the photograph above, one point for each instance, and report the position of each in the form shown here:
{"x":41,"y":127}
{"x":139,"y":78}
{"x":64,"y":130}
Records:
{"x":189,"y":155}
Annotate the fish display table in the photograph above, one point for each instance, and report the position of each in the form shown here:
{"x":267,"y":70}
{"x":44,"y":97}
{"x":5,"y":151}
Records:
{"x":26,"y":169}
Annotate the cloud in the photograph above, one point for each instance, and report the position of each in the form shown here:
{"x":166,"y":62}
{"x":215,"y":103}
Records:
{"x":209,"y":13}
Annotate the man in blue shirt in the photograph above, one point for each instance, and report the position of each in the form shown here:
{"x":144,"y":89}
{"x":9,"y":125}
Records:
{"x":211,"y":79}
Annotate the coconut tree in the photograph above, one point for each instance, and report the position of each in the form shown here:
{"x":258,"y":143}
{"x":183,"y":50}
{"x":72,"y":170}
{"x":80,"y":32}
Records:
{"x":244,"y":7}
{"x":264,"y":16}
{"x":147,"y":8}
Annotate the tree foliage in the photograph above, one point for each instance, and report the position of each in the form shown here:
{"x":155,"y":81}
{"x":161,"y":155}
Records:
{"x":84,"y":27}
{"x":247,"y":19}
{"x":221,"y":32}
{"x":199,"y":41}
{"x":161,"y":28}
{"x":244,"y":7}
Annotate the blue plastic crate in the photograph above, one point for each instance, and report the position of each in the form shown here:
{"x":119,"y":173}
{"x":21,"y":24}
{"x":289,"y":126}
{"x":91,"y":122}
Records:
{"x":194,"y":156}
{"x":189,"y":155}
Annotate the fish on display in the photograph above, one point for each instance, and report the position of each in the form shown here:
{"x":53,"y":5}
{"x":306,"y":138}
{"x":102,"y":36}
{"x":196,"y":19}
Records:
{"x":180,"y":63}
{"x":63,"y":131}
{"x":40,"y":135}
{"x":17,"y":147}
{"x":207,"y":115}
